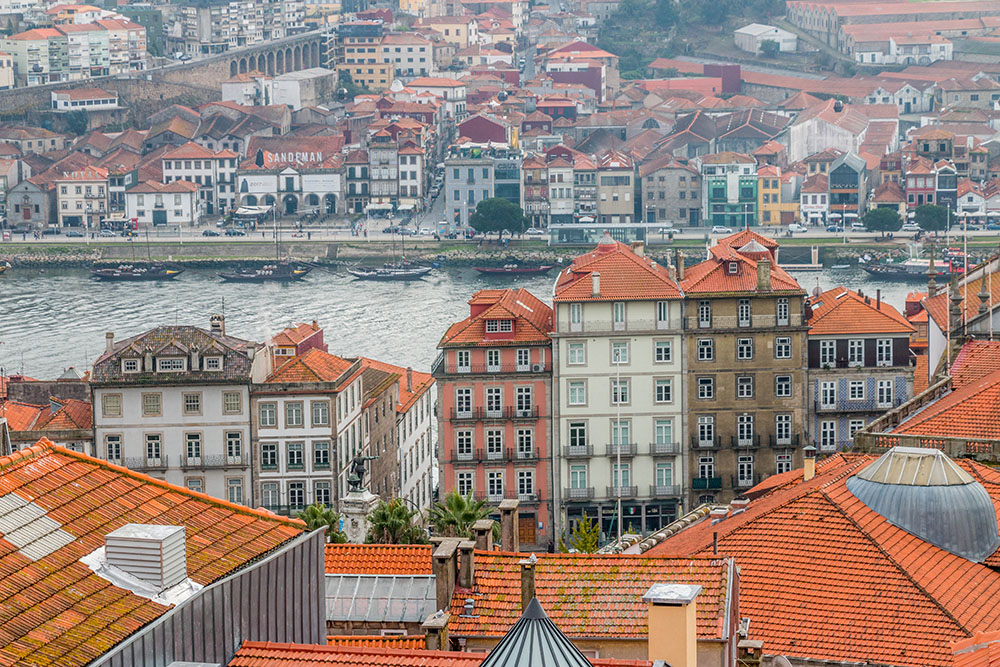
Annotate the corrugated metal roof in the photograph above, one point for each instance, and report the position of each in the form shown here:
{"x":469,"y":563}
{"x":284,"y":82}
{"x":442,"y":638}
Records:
{"x":380,"y":599}
{"x":535,"y":640}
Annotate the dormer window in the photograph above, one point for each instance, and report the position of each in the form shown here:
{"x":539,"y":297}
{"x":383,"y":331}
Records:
{"x":213,"y":363}
{"x":499,"y":326}
{"x":733,"y":268}
{"x":170,"y":364}
{"x":130,"y":365}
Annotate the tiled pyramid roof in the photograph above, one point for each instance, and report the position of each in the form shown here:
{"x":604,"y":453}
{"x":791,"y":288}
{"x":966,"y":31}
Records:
{"x":532,"y":319}
{"x":313,"y":365}
{"x":842,"y":311}
{"x":625,"y":276}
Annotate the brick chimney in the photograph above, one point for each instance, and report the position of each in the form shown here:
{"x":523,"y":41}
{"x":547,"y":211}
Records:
{"x":809,"y":463}
{"x":217,"y":325}
{"x":679,"y":264}
{"x":445,"y":569}
{"x":673,"y":624}
{"x":483,"y":532}
{"x":466,"y":563}
{"x":436,"y":631}
{"x":527,"y":580}
{"x":639,"y":248}
{"x":595,"y":281}
{"x":764,"y":274}
{"x":508,"y":525}
{"x":109,"y":342}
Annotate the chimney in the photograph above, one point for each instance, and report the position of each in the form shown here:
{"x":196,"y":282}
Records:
{"x":878,"y":299}
{"x":466,"y":563}
{"x":315,"y":324}
{"x":595,"y":281}
{"x":764,"y":275}
{"x":148,"y":360}
{"x":738,"y":505}
{"x":679,"y":263}
{"x":639,"y":248}
{"x":483,"y":532}
{"x":217,"y":325}
{"x":527,"y":580}
{"x":153,"y":554}
{"x":445,"y":571}
{"x":194,"y":358}
{"x":436,"y":631}
{"x":673,"y":624}
{"x":109,"y":342}
{"x":409,"y":378}
{"x":809,"y":463}
{"x":508,"y":525}
{"x":718,"y":514}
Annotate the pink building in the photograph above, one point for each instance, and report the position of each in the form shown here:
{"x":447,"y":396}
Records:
{"x":494,"y":377}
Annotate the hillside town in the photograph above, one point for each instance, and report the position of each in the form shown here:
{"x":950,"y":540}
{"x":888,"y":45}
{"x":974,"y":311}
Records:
{"x":466,"y":333}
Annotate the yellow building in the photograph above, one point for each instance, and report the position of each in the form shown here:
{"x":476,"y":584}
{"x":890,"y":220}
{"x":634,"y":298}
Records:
{"x":462,"y":31}
{"x":773,"y":208}
{"x":359,"y":53}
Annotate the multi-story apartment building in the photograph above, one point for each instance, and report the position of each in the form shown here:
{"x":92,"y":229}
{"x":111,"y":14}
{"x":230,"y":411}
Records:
{"x":214,"y":26}
{"x":174,"y":402}
{"x":462,"y":31}
{"x":410,"y":55}
{"x":39,"y":56}
{"x":536,"y":191}
{"x":214,"y":172}
{"x":671,"y":191}
{"x":729,"y":189}
{"x":126,"y":45}
{"x":451,"y":92}
{"x":746,"y":367}
{"x":383,"y":170}
{"x":615,"y":188}
{"x":859,"y":364}
{"x":474,"y":172}
{"x":618,"y":404}
{"x":356,"y":180}
{"x":848,"y":185}
{"x":82,"y":197}
{"x":774,"y":207}
{"x":584,"y":188}
{"x":358,"y":52}
{"x":562,"y":197}
{"x":494,"y":378}
{"x":88,"y":50}
{"x":412,"y":176}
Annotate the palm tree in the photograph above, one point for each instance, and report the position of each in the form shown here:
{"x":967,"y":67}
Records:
{"x":455,"y":516}
{"x":319,"y":516}
{"x":392,"y":523}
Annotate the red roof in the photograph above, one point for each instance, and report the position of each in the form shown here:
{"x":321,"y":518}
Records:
{"x":86,"y":93}
{"x":191,"y":150}
{"x":825,"y":577}
{"x":745,"y":249}
{"x":981,"y":650}
{"x":842,"y":311}
{"x":532,"y":319}
{"x":313,"y":365}
{"x":378,"y":559}
{"x":971,"y":410}
{"x":297,"y":334}
{"x":624,"y":276}
{"x":408,"y":393}
{"x":417,"y":642}
{"x":54,"y":610}
{"x":976,"y":360}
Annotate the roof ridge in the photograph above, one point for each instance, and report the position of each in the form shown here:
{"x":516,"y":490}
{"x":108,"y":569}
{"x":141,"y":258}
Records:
{"x":45,"y":445}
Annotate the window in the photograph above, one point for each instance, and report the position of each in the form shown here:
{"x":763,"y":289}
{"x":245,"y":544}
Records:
{"x":523,"y":359}
{"x":706,"y":349}
{"x":232,"y":402}
{"x":111,"y":405}
{"x":295,"y":458}
{"x":732,"y":268}
{"x":492,"y":361}
{"x":664,"y":391}
{"x":782,"y":463}
{"x":494,"y":401}
{"x":525,"y":483}
{"x":523,"y":401}
{"x":706,"y":467}
{"x":704,"y":314}
{"x":619,"y":392}
{"x":781,"y":309}
{"x":320,"y":413}
{"x":192,"y":443}
{"x":706,"y":430}
{"x":744,"y":386}
{"x":576,"y":316}
{"x":621,"y":477}
{"x":463,"y":483}
{"x":578,"y":477}
{"x":525,"y":443}
{"x":827,"y":394}
{"x":268,"y":456}
{"x":234,"y":446}
{"x":494,"y":444}
{"x":213,"y":363}
{"x":153,"y":444}
{"x":577,"y":354}
{"x":827,"y":434}
{"x":577,"y":390}
{"x":113,"y":448}
{"x":463,"y":402}
{"x":234,"y":487}
{"x":743,"y":318}
{"x":130,"y":365}
{"x":578,"y":434}
{"x":196,"y":484}
{"x":192,"y":404}
{"x":744,"y":429}
{"x":321,"y":455}
{"x":706,"y":388}
{"x":883,"y":352}
{"x":856,"y":390}
{"x":463,"y":445}
{"x":783,"y":429}
{"x":744,"y":349}
{"x":662,"y":314}
{"x":663,"y":352}
{"x":296,"y":495}
{"x":619,"y":352}
{"x":883,"y":395}
{"x":853,"y":426}
{"x":494,"y":485}
{"x":744,"y":470}
{"x":293,"y":414}
{"x":321,"y":493}
{"x":827,"y":352}
{"x":664,"y":474}
{"x":783,"y":347}
{"x":855,"y":353}
{"x":462,"y":363}
{"x":268,"y":414}
{"x":663,"y":430}
{"x":151,"y":405}
{"x":499,"y":326}
{"x":170,"y":365}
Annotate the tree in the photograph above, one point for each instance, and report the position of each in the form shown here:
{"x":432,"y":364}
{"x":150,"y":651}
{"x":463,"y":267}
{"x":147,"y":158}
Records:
{"x":319,"y":516}
{"x":882,"y":220}
{"x":497,"y":215}
{"x":77,"y":122}
{"x":769,"y":48}
{"x":455,"y":516}
{"x":931,"y":218}
{"x":392,"y":523}
{"x":584,"y":537}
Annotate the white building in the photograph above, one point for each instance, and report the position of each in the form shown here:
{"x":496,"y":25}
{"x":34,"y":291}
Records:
{"x":451,"y":92}
{"x":410,"y":55}
{"x":751,"y":37}
{"x":304,"y":88}
{"x":299,"y":173}
{"x":87,"y":99}
{"x":248,"y":89}
{"x":151,"y":204}
{"x":214,"y":172}
{"x":174,"y":402}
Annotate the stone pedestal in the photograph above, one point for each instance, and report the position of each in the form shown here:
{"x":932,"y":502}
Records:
{"x":355,"y":508}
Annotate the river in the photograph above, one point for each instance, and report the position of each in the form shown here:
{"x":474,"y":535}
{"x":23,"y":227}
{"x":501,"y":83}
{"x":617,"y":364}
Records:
{"x":53,"y":319}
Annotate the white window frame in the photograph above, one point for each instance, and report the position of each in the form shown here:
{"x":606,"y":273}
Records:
{"x":856,"y":352}
{"x":783,"y":347}
{"x":706,"y":349}
{"x":883,"y":352}
{"x":828,"y":352}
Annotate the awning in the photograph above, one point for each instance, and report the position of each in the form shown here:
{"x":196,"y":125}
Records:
{"x":378,"y":207}
{"x":405,"y":207}
{"x":587,"y":218}
{"x":994,"y":214}
{"x":850,"y":215}
{"x":835,"y":215}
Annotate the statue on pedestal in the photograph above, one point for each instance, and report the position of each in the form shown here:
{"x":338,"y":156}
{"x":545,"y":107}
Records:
{"x":355,"y":480}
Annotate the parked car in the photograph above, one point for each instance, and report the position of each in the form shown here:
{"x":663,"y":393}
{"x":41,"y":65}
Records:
{"x":106,"y":233}
{"x":75,"y":234}
{"x":993,"y":226}
{"x":235,"y":232}
{"x":667,"y":230}
{"x":534,"y":231}
{"x":427,"y":231}
{"x":910,"y":227}
{"x":48,"y":231}
{"x":836,"y":229}
{"x":719,"y":229}
{"x":210,"y":232}
{"x":858,"y":226}
{"x":796,"y":228}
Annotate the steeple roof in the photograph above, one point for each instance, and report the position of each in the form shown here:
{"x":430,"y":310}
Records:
{"x":535,"y":640}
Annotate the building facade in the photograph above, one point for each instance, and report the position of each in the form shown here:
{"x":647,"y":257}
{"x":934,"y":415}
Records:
{"x":729,"y":189}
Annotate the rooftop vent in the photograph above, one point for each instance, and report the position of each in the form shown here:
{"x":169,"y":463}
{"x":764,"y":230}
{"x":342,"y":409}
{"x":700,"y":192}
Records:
{"x":153,"y":554}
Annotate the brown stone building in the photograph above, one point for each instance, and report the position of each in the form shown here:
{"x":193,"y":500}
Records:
{"x":381,"y":393}
{"x":746,"y":368}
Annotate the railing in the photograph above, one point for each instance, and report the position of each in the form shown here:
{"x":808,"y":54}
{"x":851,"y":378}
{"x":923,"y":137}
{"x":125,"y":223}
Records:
{"x":660,"y":490}
{"x":698,"y":443}
{"x":506,"y":495}
{"x":858,"y":405}
{"x":623,"y":448}
{"x":494,"y":454}
{"x":774,"y":441}
{"x":980,"y":449}
{"x":507,"y":412}
{"x":216,"y":461}
{"x":464,"y":456}
{"x":571,"y":451}
{"x":506,"y":454}
{"x":706,"y":483}
{"x":626,"y":491}
{"x":525,"y":455}
{"x":664,"y":448}
{"x":736,"y":442}
{"x":745,"y":482}
{"x":141,"y":463}
{"x":579,"y":494}
{"x":443,"y":367}
{"x":610,"y":326}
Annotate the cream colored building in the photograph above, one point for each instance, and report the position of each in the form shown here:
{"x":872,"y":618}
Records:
{"x":82,"y":198}
{"x":6,"y":71}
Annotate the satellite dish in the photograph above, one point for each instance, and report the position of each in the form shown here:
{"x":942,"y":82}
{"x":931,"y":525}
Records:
{"x":341,"y":94}
{"x":502,"y":96}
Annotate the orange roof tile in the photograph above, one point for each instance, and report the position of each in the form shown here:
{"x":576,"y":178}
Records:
{"x":588,"y":595}
{"x":971,"y":410}
{"x":408,"y":394}
{"x":55,"y":610}
{"x":417,"y":642}
{"x":624,"y":275}
{"x":21,"y":416}
{"x":842,"y":311}
{"x":980,"y":650}
{"x":825,"y":577}
{"x":313,"y":365}
{"x":297,"y":334}
{"x":921,"y":379}
{"x":713,"y":276}
{"x":69,"y":415}
{"x":378,"y":559}
{"x":532,"y":320}
{"x":976,"y":360}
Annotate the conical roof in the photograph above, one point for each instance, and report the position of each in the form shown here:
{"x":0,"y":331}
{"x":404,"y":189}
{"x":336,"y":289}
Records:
{"x":535,"y":641}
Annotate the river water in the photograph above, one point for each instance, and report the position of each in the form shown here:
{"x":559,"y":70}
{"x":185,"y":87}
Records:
{"x":52,"y":319}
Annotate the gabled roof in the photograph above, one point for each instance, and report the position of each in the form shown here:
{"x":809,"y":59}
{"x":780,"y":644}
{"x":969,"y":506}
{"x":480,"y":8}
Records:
{"x":745,"y":249}
{"x":823,"y":576}
{"x":313,"y":365}
{"x":971,"y":410}
{"x":889,"y":192}
{"x":532,"y":319}
{"x":297,"y":334}
{"x":380,"y":559}
{"x":624,"y":276}
{"x":976,"y":360}
{"x":55,"y":609}
{"x":840,"y":311}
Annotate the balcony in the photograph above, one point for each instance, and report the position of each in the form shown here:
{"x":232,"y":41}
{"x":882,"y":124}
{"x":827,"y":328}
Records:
{"x":576,"y":451}
{"x":792,"y":441}
{"x":610,"y":326}
{"x":464,"y":456}
{"x":215,"y":462}
{"x":624,"y":448}
{"x":494,"y":455}
{"x":141,"y":464}
{"x":665,"y":448}
{"x":661,"y":490}
{"x":745,"y":482}
{"x":525,"y":454}
{"x":505,"y":413}
{"x":700,"y":483}
{"x":864,"y":405}
{"x":625,"y":491}
{"x":752,"y":442}
{"x":585,"y":493}
{"x":703,"y":444}
{"x":440,"y":367}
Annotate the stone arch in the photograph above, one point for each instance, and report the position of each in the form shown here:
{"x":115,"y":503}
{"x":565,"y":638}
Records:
{"x":288,"y":59}
{"x":315,"y":54}
{"x":243,"y":65}
{"x":279,"y":62}
{"x":270,"y":63}
{"x":233,"y":68}
{"x":250,"y":200}
{"x":290,"y":204}
{"x":297,"y":58}
{"x":330,"y":202}
{"x":312,"y":200}
{"x":268,"y":200}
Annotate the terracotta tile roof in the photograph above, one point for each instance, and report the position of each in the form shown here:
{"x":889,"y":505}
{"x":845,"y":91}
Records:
{"x":713,"y":275}
{"x":938,"y":305}
{"x":588,"y":595}
{"x":842,"y":311}
{"x":67,"y":415}
{"x":624,"y":276}
{"x":408,"y":394}
{"x":406,"y":559}
{"x":313,"y":365}
{"x":971,"y":410}
{"x":825,"y":577}
{"x":271,"y":654}
{"x":191,"y":150}
{"x":976,"y":360}
{"x":980,"y":650}
{"x":532,"y":319}
{"x":889,"y":192}
{"x":21,"y":416}
{"x":921,"y":378}
{"x":413,"y":642}
{"x":297,"y":334}
{"x":54,"y":610}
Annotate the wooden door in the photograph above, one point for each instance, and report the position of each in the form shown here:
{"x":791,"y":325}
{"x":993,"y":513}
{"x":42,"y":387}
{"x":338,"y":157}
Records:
{"x":526,"y":530}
